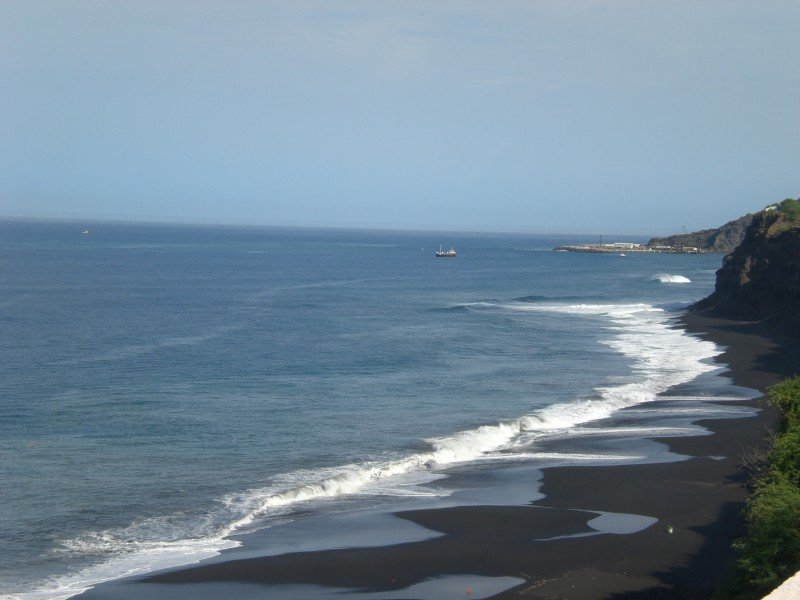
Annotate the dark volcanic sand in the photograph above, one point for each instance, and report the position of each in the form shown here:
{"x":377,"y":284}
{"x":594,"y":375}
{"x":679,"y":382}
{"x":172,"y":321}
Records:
{"x":701,"y":498}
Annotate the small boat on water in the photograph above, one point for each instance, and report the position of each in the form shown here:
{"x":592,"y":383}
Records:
{"x":445,"y":253}
{"x":85,"y":231}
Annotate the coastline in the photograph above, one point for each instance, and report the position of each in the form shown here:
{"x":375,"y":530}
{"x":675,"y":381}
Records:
{"x":701,"y":497}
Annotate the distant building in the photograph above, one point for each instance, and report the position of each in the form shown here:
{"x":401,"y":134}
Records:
{"x":622,"y":246}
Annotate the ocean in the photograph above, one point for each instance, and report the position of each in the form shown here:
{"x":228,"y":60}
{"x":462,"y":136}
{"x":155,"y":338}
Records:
{"x":172,"y":392}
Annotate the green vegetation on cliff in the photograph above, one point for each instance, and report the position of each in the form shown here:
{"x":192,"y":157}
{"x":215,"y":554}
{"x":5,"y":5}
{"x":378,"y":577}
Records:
{"x":788,"y":213}
{"x":791,"y":209}
{"x":771,"y":551}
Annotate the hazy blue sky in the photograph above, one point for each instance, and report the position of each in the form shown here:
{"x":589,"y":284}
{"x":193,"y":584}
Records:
{"x":594,"y":115}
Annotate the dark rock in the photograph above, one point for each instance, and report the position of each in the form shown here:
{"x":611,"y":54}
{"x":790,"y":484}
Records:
{"x":760,"y":279}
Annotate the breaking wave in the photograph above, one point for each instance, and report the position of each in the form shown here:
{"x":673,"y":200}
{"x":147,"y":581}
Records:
{"x":667,"y":278}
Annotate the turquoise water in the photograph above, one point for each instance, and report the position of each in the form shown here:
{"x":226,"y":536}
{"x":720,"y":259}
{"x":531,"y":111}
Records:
{"x":164,"y":387}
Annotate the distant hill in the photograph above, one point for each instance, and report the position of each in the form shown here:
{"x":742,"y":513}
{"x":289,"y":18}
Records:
{"x":760,"y":279}
{"x":722,"y":239}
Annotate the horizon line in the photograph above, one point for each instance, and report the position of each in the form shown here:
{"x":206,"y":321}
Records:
{"x":324,"y":226}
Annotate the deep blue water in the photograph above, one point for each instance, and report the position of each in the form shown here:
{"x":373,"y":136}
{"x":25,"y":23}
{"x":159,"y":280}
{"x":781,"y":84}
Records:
{"x":162,"y":387}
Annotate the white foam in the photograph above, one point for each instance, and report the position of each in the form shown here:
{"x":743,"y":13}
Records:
{"x":588,"y":432}
{"x":697,"y":412}
{"x":661,"y":356}
{"x":576,"y":457}
{"x":126,"y":565}
{"x":667,"y":278}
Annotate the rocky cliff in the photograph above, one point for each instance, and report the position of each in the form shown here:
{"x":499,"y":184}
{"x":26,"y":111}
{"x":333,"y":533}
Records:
{"x":760,"y":279}
{"x":722,"y":239}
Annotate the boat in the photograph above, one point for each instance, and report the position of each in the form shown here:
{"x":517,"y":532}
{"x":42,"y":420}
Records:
{"x":85,"y":231}
{"x":445,"y":253}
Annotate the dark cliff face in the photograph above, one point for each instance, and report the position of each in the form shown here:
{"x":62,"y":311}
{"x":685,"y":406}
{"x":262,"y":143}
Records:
{"x":722,"y":239}
{"x":760,"y":279}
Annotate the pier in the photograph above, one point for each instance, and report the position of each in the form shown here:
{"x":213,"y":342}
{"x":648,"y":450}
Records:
{"x":624,"y":247}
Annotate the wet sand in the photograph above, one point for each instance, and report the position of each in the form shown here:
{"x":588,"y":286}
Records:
{"x":700,"y":498}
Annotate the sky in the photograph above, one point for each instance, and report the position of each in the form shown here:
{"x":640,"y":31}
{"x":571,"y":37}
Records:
{"x":634,"y":116}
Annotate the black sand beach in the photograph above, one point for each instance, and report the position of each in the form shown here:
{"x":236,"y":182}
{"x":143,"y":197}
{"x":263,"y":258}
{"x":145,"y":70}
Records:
{"x":701,"y":498}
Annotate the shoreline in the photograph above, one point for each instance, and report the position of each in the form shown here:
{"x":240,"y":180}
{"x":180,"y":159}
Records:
{"x":701,"y":497}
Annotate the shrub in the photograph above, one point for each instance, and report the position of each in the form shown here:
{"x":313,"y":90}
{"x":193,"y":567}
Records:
{"x":785,"y":457}
{"x":771,"y":551}
{"x":786,"y":397}
{"x":790,"y":209}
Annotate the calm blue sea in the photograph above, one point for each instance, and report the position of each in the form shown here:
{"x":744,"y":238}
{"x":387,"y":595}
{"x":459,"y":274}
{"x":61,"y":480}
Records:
{"x":164,"y":387}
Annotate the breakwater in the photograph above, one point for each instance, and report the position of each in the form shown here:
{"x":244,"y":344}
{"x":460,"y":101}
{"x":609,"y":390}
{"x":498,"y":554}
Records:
{"x":624,"y":247}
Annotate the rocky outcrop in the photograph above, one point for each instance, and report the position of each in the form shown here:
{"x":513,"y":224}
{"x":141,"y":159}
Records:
{"x":760,"y":279}
{"x":722,"y":239}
